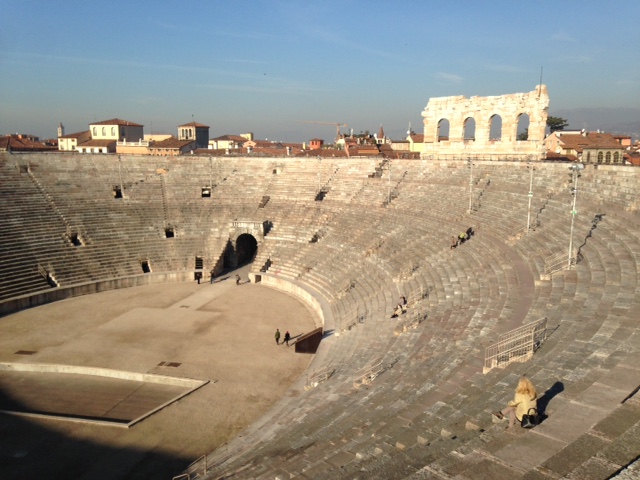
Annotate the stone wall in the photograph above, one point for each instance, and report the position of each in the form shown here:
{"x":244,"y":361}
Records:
{"x":460,"y":111}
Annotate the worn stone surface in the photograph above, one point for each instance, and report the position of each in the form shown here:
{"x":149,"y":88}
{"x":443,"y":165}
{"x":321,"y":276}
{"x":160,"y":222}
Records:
{"x":575,"y":454}
{"x":593,"y":469}
{"x":488,"y":470}
{"x":528,"y":451}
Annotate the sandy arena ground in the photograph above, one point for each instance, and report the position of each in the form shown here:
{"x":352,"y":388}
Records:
{"x":222,"y":332}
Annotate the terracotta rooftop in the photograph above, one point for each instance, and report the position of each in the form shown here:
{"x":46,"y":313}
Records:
{"x":117,"y":121}
{"x":578,"y":141}
{"x":78,"y":135}
{"x":172,"y":143}
{"x":97,"y":143}
{"x":22,"y":143}
{"x":235,"y":138}
{"x":193,"y":124}
{"x":560,"y":157}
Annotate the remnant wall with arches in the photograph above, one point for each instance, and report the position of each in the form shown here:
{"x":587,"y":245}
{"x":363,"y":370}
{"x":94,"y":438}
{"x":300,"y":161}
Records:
{"x":486,"y":127}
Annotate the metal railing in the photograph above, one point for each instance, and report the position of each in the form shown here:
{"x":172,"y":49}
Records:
{"x":319,"y":376}
{"x":556,"y":263}
{"x":415,"y":316}
{"x":368,"y":374}
{"x":197,"y":466}
{"x":516,"y":346}
{"x":517,"y":235}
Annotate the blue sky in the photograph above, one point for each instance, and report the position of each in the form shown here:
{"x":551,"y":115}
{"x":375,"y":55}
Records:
{"x":263,"y":66}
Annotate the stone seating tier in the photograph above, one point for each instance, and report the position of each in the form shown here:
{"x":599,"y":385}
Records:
{"x":428,"y":410}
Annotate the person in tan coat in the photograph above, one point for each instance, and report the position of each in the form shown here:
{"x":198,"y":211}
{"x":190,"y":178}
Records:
{"x":525,"y":398}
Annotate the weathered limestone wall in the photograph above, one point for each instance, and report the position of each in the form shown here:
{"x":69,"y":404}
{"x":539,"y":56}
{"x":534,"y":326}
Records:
{"x":458,"y":110}
{"x":16,"y":304}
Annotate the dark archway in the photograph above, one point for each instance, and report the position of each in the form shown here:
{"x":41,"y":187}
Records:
{"x":246,"y":246}
{"x":495,"y":128}
{"x":443,"y":130}
{"x":470,"y":129}
{"x":522,"y":132}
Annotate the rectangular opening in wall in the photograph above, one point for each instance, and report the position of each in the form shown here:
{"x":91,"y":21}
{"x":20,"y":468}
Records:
{"x":146,"y":268}
{"x":75,"y":239}
{"x":199,"y":263}
{"x":320,"y":196}
{"x":169,"y":232}
{"x":206,"y":192}
{"x":117,"y":192}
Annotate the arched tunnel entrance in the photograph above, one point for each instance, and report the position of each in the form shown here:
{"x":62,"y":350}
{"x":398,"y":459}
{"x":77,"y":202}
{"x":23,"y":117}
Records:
{"x":242,"y":252}
{"x":246,"y":247}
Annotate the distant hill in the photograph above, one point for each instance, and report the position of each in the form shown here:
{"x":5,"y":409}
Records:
{"x":613,"y":120}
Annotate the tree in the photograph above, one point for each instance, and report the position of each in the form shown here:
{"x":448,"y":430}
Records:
{"x":556,"y":123}
{"x":524,"y":135}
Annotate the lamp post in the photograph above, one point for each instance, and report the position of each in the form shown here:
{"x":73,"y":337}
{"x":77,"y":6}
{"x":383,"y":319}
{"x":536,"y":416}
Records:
{"x":470,"y":163}
{"x":318,"y":174}
{"x":574,"y":191}
{"x":531,"y":169}
{"x":389,"y":185}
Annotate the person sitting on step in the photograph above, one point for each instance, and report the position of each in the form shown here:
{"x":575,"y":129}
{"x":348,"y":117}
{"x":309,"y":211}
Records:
{"x":524,"y":399}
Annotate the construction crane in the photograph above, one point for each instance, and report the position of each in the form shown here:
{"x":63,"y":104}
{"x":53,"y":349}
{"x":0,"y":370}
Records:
{"x":337,"y":125}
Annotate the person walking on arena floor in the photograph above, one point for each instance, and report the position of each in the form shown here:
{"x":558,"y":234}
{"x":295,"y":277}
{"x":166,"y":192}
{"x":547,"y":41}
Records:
{"x":277,"y":336}
{"x":287,"y":337}
{"x":524,"y":399}
{"x":212,"y":275}
{"x":237,"y":279}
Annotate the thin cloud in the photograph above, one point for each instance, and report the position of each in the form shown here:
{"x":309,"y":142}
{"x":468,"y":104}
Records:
{"x":563,"y":37}
{"x":627,"y":81}
{"x":297,"y":90}
{"x":507,"y":68}
{"x":449,"y":77}
{"x":573,"y":59}
{"x":219,"y":33}
{"x":137,"y":64}
{"x":333,"y":38}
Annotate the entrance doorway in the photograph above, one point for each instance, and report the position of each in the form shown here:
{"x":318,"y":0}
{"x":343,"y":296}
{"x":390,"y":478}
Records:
{"x":246,"y":247}
{"x":242,"y":252}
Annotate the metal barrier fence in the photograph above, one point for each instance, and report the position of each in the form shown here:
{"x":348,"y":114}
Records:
{"x":518,"y":345}
{"x":319,"y":376}
{"x":557,"y":262}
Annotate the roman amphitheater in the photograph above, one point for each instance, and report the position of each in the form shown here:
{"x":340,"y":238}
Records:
{"x":547,"y":286}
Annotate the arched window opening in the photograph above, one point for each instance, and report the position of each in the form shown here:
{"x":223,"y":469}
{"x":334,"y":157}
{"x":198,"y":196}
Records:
{"x":470,"y":129}
{"x":495,"y":128}
{"x":443,"y":130}
{"x":588,"y":156}
{"x":113,"y":131}
{"x":104,"y":131}
{"x":616,"y":157}
{"x":522,"y":133}
{"x":95,"y":132}
{"x":600,"y":157}
{"x":608,"y":158}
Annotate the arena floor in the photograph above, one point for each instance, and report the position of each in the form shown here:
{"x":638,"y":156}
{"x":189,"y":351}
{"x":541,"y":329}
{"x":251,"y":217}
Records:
{"x":220,"y":333}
